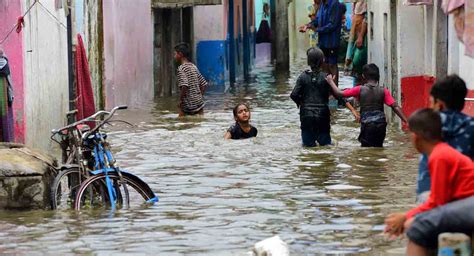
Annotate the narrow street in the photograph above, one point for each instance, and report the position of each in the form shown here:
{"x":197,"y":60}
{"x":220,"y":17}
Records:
{"x":220,"y":197}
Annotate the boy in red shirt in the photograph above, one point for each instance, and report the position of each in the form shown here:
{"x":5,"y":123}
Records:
{"x":372,"y":98}
{"x":452,"y":178}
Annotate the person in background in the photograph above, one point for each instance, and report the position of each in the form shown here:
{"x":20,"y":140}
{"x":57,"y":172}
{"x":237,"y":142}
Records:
{"x":356,"y":55}
{"x":6,"y":100}
{"x":242,"y":129}
{"x":190,"y":83}
{"x":372,"y":97}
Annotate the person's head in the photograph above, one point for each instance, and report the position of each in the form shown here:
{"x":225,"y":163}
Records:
{"x":266,"y":9}
{"x":425,"y":128}
{"x":370,"y":72}
{"x":182,"y":52}
{"x":448,"y":93}
{"x":1,"y":52}
{"x":315,"y":58}
{"x":242,"y":113}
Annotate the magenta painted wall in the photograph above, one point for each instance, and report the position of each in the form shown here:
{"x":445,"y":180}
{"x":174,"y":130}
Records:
{"x":10,"y":10}
{"x":128,"y":51}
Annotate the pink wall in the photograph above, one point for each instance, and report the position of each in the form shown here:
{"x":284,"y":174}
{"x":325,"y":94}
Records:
{"x":128,"y":51}
{"x":10,"y":10}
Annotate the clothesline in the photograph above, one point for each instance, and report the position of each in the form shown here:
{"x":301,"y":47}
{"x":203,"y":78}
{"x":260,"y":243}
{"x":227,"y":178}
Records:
{"x":20,"y":19}
{"x":19,"y":23}
{"x":52,"y":15}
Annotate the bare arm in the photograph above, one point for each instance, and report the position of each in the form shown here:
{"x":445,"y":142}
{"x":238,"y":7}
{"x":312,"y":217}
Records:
{"x":339,"y":94}
{"x":227,"y":135}
{"x":399,"y":112}
{"x":335,"y":91}
{"x":355,"y":113}
{"x":361,"y":35}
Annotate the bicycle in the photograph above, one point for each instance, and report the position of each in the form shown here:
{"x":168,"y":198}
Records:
{"x":107,"y":183}
{"x":72,"y":171}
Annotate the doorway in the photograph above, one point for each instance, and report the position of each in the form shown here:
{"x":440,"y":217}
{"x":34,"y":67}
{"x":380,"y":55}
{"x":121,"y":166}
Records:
{"x":171,"y":26}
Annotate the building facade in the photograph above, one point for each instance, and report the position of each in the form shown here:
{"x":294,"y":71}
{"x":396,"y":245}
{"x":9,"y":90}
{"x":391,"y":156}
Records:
{"x":413,"y":46}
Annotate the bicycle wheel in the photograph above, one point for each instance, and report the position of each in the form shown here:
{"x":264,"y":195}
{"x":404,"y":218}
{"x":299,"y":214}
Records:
{"x":93,"y":192}
{"x":64,"y":188}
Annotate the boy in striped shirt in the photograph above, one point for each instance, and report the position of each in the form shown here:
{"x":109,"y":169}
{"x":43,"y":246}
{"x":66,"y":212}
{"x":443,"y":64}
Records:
{"x":191,"y":83}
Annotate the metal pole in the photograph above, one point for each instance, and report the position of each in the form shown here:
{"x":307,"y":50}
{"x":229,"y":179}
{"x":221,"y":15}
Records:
{"x":70,"y":63}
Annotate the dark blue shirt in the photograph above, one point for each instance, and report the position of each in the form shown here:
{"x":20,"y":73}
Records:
{"x":328,"y":24}
{"x":458,"y":132}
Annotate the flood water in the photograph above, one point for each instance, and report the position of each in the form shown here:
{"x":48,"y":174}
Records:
{"x":221,"y":197}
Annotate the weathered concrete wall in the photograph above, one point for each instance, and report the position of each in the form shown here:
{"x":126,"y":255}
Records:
{"x":298,"y":15}
{"x":396,"y":42}
{"x":25,"y":178}
{"x":281,"y":40}
{"x":94,"y":40}
{"x":209,"y":36}
{"x":128,"y":52}
{"x":13,"y":47}
{"x":46,"y":73}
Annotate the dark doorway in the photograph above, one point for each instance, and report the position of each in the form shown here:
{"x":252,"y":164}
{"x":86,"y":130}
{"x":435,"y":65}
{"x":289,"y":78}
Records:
{"x":171,"y":27}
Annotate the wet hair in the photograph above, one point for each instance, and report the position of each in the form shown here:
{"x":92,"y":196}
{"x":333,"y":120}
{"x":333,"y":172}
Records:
{"x":184,"y":49}
{"x":452,"y":90}
{"x":315,"y":58}
{"x":236,"y":108}
{"x":371,"y":72}
{"x":426,"y":123}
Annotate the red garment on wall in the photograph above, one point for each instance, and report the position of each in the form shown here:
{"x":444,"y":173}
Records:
{"x":85,"y":95}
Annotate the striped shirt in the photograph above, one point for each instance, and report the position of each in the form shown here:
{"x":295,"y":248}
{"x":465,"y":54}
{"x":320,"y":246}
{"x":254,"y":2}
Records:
{"x":190,"y":78}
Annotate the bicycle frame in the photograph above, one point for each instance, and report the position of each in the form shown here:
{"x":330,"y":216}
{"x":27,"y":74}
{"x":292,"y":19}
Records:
{"x":104,"y":163}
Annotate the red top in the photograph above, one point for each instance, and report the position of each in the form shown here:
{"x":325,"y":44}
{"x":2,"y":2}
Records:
{"x":355,"y":92}
{"x":452,"y":178}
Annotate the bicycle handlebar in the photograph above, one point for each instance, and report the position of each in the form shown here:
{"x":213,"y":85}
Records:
{"x":110,"y":115}
{"x":91,"y":119}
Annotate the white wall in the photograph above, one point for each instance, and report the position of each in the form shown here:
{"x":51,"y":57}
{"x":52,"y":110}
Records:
{"x":298,"y":15}
{"x":46,"y":73}
{"x":209,"y":23}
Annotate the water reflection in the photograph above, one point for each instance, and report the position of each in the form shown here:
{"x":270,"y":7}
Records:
{"x":220,"y":197}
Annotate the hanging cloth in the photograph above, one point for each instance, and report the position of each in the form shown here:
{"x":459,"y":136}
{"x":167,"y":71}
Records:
{"x":449,"y":5}
{"x":469,"y":27}
{"x":85,"y":95}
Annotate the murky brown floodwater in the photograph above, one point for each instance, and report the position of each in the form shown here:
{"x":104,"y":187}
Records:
{"x":220,"y":197}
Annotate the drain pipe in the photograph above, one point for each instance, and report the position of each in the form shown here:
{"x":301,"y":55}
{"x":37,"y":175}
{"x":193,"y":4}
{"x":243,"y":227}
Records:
{"x":72,"y":96}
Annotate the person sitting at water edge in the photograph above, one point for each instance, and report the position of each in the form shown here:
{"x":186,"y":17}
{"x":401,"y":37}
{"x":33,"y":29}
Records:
{"x":190,"y":83}
{"x":242,"y":129}
{"x":372,"y":97}
{"x":311,"y":95}
{"x":448,"y":97}
{"x":452,"y":178}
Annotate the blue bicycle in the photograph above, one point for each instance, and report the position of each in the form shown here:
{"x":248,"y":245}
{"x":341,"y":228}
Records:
{"x":108,"y":185}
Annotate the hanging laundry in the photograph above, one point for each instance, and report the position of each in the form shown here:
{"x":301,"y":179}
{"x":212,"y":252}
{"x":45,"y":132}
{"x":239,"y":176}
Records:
{"x":360,"y":7}
{"x":469,"y":27}
{"x":85,"y":96}
{"x":418,"y":2}
{"x":449,"y":5}
{"x":459,"y":22}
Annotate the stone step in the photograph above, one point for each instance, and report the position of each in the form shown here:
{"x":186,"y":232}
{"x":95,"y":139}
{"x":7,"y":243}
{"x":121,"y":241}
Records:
{"x":25,"y":177}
